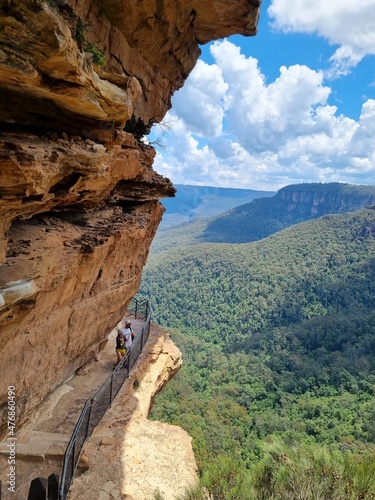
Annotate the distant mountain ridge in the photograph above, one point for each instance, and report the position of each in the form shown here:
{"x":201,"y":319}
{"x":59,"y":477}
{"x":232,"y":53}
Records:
{"x":315,"y":199}
{"x":192,"y":202}
{"x":290,"y":205}
{"x":265,"y":216}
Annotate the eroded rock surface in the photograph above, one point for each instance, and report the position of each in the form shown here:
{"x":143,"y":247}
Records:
{"x":81,"y":83}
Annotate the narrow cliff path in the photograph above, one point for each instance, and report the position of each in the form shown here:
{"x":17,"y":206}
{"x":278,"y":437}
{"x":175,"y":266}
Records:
{"x":128,"y":456}
{"x":41,"y":443}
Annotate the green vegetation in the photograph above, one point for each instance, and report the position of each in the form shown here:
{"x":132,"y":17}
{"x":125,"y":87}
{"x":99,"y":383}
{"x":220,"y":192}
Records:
{"x":291,"y":205}
{"x":185,"y":234}
{"x":81,"y":31}
{"x":278,"y":341}
{"x":312,"y":472}
{"x":98,"y":54}
{"x":253,"y":221}
{"x":308,"y":472}
{"x":228,"y":291}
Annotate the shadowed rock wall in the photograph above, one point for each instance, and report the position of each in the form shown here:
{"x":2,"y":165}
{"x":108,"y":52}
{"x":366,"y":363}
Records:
{"x":81,"y":83}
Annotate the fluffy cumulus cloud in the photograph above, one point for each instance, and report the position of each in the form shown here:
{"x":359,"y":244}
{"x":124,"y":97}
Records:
{"x":200,"y":104}
{"x":230,"y":127}
{"x":264,"y":116}
{"x":348,"y":24}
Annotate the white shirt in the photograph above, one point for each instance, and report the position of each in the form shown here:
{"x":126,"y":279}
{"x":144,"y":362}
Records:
{"x":127,"y":334}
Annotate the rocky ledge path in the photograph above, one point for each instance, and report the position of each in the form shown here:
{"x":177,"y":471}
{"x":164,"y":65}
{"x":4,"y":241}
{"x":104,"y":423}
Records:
{"x":127,"y":456}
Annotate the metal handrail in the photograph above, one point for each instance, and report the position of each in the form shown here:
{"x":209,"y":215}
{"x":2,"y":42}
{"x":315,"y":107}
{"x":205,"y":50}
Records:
{"x":99,"y":404}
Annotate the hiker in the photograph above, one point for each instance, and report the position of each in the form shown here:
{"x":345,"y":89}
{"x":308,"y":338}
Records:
{"x":128,"y":334}
{"x":120,"y":346}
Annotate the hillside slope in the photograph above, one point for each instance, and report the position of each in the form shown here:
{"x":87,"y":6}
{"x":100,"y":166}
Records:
{"x":266,"y":215}
{"x":278,"y":338}
{"x":289,"y":272}
{"x":291,"y":205}
{"x":191,"y":202}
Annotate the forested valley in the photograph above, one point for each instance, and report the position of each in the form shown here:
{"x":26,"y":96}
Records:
{"x":263,"y":216}
{"x":278,"y":339}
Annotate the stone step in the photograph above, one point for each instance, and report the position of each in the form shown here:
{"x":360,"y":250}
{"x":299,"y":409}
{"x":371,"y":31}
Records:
{"x":40,"y":446}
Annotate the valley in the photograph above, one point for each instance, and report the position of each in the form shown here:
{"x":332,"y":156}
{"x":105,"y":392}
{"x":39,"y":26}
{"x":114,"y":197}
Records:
{"x":278,"y":342}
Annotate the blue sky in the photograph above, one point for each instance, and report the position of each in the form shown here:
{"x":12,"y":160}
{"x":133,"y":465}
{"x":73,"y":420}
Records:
{"x":295,"y":103}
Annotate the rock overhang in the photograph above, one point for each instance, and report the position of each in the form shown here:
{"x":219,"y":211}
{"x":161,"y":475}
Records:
{"x":80,"y":82}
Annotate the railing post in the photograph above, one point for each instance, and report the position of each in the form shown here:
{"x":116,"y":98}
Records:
{"x":147,"y":310}
{"x":148,"y":329}
{"x":88,"y":422}
{"x":142,"y":345}
{"x":74,"y":455}
{"x":127,"y":362}
{"x":111,"y":389}
{"x":38,"y":489}
{"x":63,"y":476}
{"x":136,"y":309}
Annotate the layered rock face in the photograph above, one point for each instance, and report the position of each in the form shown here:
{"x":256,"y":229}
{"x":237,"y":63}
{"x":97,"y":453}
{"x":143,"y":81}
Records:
{"x":313,"y":200}
{"x":81,"y":83}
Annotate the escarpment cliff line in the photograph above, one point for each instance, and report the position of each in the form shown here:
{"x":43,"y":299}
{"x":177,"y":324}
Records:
{"x":81,"y":83}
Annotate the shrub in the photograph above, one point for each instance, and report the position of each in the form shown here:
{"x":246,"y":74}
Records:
{"x":98,"y":54}
{"x":313,"y":472}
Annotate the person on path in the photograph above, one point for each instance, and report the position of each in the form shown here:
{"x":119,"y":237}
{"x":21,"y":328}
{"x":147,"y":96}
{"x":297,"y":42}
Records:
{"x":120,"y":347}
{"x":128,"y":334}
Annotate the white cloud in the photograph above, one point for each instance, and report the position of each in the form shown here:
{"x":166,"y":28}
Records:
{"x":199,"y":103}
{"x":263,"y":116}
{"x":362,"y":144}
{"x":351,"y":25}
{"x":343,"y":60}
{"x":263,"y":135}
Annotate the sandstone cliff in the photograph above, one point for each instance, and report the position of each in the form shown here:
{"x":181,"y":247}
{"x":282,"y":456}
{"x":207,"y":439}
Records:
{"x":313,"y":200}
{"x":81,"y":82}
{"x":290,"y":205}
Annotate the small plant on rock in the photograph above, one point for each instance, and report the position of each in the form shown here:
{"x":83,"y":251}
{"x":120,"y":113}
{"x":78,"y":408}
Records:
{"x":80,"y":32}
{"x":98,"y":54}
